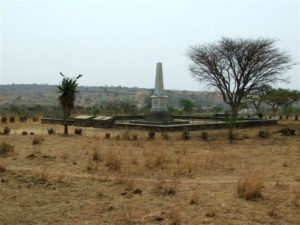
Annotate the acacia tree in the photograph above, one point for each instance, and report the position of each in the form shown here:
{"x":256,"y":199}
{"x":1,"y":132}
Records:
{"x":237,"y":66}
{"x":68,"y":90}
{"x":257,"y":95}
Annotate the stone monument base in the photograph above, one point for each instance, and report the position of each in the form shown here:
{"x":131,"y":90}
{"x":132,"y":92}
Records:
{"x":158,"y":116}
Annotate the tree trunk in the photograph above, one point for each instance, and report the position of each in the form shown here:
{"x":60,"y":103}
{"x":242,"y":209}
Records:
{"x":66,"y":131}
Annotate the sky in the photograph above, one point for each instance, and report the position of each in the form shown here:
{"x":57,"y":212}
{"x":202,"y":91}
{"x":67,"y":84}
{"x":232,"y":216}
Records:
{"x":119,"y":42}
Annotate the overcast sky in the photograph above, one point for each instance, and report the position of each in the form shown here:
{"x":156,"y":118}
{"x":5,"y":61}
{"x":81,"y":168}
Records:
{"x":119,"y":42}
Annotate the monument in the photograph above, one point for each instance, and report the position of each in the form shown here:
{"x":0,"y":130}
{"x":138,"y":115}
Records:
{"x":159,"y":109}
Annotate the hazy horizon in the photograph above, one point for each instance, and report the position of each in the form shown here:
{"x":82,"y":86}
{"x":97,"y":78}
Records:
{"x":118,"y":43}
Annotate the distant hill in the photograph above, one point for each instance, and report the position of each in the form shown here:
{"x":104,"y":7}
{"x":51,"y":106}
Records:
{"x":36,"y":94}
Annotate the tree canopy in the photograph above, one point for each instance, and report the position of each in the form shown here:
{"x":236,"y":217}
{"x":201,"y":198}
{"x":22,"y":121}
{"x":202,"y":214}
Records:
{"x":237,"y":66}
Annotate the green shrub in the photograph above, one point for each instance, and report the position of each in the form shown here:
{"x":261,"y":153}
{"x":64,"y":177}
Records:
{"x":51,"y":131}
{"x":134,"y":137}
{"x":151,"y":134}
{"x":23,"y":118}
{"x":12,"y":119}
{"x":165,"y":135}
{"x":6,"y":131}
{"x":4,"y":119}
{"x":204,"y":135}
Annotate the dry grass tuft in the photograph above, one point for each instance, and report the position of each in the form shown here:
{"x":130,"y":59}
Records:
{"x":6,"y":148}
{"x":296,"y":198}
{"x":2,"y":168}
{"x":37,"y":140}
{"x":249,"y":187}
{"x":156,"y":159}
{"x":175,"y":217}
{"x":113,"y":161}
{"x":96,"y":155}
{"x":162,"y":187}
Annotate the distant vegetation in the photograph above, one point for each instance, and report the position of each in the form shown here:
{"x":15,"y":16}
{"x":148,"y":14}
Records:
{"x":43,"y":100}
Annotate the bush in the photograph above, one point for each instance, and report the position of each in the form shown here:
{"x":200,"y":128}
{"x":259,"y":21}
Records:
{"x":151,"y":134}
{"x":6,"y":148}
{"x":35,"y":119}
{"x":117,"y":137}
{"x":24,"y":132}
{"x":6,"y":131}
{"x":134,"y":137}
{"x":185,"y":134}
{"x":12,"y":119}
{"x":288,"y":131}
{"x":23,"y":118}
{"x":250,"y":187}
{"x":4,"y":119}
{"x":232,"y":136}
{"x":37,"y":140}
{"x":263,"y":134}
{"x":165,"y":135}
{"x":126,"y":134}
{"x":107,"y":136}
{"x":78,"y":131}
{"x":2,"y":168}
{"x":204,"y":135}
{"x":51,"y":131}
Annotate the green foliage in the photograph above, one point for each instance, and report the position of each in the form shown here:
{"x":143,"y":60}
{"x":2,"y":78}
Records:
{"x":187,"y":105}
{"x":217,"y":109}
{"x":6,"y":131}
{"x":204,"y":135}
{"x":51,"y":131}
{"x":151,"y":134}
{"x":22,"y":118}
{"x":67,"y":90}
{"x":4,"y":119}
{"x":174,"y":111}
{"x":12,"y":119}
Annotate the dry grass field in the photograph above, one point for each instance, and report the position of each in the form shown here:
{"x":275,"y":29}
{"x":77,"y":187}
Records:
{"x":53,"y":179}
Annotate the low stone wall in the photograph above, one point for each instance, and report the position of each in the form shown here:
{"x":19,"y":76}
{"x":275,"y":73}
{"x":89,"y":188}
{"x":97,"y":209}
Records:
{"x":56,"y":121}
{"x":193,"y":127}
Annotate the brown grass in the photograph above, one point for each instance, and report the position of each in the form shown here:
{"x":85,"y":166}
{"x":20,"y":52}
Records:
{"x":113,"y":161}
{"x":37,"y":140}
{"x":250,"y":186}
{"x":149,"y":181}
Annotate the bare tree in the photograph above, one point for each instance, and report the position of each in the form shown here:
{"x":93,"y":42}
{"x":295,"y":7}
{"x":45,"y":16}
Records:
{"x":237,"y":66}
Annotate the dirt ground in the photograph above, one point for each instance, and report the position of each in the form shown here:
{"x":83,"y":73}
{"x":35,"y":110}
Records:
{"x":91,"y":180}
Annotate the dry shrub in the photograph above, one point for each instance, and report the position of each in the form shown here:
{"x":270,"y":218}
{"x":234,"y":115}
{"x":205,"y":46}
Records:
{"x":156,"y":159}
{"x":37,"y":140}
{"x":263,"y":134}
{"x":24,"y":132}
{"x":113,"y":161}
{"x":249,"y":187}
{"x":126,"y":134}
{"x":89,"y":165}
{"x":6,"y":148}
{"x":96,"y":155}
{"x":2,"y":168}
{"x":175,"y":217}
{"x":126,"y":215}
{"x":296,"y":198}
{"x":124,"y":179}
{"x":162,"y":187}
{"x":185,"y":167}
{"x":107,"y":136}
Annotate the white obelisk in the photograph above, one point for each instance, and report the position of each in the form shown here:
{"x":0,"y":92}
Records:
{"x":159,"y":99}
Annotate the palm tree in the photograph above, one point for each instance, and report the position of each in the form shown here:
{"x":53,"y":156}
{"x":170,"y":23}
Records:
{"x":67,"y":89}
